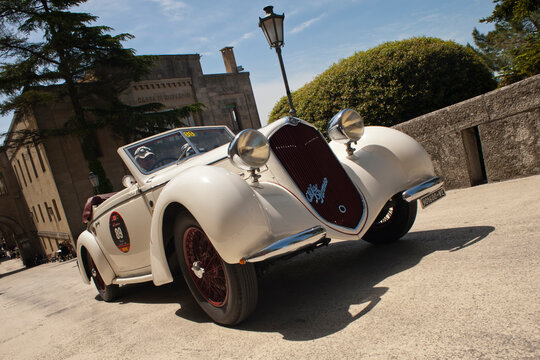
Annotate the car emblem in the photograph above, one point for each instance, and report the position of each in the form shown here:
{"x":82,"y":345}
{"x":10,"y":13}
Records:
{"x":313,"y":192}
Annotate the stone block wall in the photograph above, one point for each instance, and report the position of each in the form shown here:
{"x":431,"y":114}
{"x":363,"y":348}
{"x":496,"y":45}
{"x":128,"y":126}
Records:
{"x":492,"y":137}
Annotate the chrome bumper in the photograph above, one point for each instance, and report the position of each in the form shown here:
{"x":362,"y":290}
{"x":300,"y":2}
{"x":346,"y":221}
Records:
{"x":425,"y":188}
{"x":288,"y":245}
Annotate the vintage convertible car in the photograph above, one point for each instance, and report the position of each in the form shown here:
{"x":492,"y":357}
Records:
{"x":210,"y":205}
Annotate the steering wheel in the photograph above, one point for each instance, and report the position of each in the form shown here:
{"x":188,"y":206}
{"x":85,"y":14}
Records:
{"x":185,"y":151}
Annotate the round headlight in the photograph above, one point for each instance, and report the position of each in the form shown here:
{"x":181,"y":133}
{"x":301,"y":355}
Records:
{"x":346,"y":125}
{"x":249,"y":150}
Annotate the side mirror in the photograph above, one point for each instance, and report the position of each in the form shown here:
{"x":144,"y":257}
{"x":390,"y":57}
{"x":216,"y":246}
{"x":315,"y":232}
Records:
{"x":128,"y":180}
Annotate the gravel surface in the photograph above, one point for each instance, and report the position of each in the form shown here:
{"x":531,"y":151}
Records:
{"x":463,"y":284}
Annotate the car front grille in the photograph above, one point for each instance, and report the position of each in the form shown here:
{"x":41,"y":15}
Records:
{"x":312,"y":165}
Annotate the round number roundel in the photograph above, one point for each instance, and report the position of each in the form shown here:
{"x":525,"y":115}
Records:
{"x":119,"y":232}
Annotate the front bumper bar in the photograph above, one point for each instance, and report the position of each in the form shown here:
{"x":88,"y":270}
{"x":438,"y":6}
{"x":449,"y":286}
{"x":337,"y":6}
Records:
{"x":423,"y":189}
{"x":293,"y":243}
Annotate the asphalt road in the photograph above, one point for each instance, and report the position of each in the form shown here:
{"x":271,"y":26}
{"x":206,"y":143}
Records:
{"x":463,"y":284}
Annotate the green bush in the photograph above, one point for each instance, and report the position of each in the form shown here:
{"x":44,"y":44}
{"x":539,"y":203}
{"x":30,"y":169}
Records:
{"x":392,"y":83}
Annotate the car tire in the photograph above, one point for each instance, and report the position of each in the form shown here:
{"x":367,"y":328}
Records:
{"x":107,"y":292}
{"x":393,"y":222}
{"x":226,"y":292}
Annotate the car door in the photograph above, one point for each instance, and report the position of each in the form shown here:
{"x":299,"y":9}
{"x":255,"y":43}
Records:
{"x":124,"y":233}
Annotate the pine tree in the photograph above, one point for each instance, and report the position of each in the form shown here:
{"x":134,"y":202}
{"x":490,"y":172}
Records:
{"x":81,"y":61}
{"x":513,"y":49}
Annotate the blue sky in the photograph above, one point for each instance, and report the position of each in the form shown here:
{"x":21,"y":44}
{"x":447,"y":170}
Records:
{"x":318,"y":33}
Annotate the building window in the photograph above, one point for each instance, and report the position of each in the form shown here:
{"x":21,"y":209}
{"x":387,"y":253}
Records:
{"x":22,"y":174}
{"x":56,"y":210}
{"x":35,"y":214}
{"x":41,"y":213}
{"x":233,"y":115}
{"x":92,"y":144}
{"x":3,"y":187}
{"x":26,"y":166}
{"x":44,"y":243}
{"x":32,"y":161}
{"x":40,"y":158}
{"x":48,"y":210}
{"x":17,"y":176}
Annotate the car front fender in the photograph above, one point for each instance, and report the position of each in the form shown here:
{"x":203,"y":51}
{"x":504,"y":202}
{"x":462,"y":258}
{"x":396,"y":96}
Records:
{"x":223,"y":204}
{"x":385,"y":162}
{"x":87,"y":242}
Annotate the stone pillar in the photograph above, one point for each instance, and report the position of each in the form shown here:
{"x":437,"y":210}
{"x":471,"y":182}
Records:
{"x":229,"y":60}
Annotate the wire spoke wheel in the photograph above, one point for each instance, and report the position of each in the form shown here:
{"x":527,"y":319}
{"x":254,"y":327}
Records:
{"x":107,"y":292}
{"x":227,"y":293}
{"x":386,"y":213}
{"x":394,"y":221}
{"x":98,"y":280}
{"x":207,"y":272}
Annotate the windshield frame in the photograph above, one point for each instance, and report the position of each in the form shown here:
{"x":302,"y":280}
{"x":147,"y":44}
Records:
{"x":126,"y":152}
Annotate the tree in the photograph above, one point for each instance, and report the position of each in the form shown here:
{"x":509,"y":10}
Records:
{"x":82,"y":62}
{"x":513,"y":48}
{"x":392,"y":83}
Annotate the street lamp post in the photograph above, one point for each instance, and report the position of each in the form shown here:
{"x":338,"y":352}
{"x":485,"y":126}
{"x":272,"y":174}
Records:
{"x":94,"y":180}
{"x":272,"y":27}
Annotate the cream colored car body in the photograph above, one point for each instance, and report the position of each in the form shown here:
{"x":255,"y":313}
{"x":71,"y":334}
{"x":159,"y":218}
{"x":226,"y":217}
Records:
{"x":240,"y":216}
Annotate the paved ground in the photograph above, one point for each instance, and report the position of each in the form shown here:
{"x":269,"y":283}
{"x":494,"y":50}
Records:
{"x":463,"y":284}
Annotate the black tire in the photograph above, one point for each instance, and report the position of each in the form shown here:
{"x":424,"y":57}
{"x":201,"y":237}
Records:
{"x":106,"y":292}
{"x":393,"y":222}
{"x":227,"y":293}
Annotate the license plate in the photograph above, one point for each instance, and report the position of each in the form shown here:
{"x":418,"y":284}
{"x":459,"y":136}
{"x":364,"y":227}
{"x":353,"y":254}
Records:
{"x":431,"y":198}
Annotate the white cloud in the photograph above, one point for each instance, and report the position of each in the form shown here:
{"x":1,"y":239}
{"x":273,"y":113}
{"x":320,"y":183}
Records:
{"x":173,"y":8}
{"x":245,"y":36}
{"x":305,"y":24}
{"x":202,"y":39}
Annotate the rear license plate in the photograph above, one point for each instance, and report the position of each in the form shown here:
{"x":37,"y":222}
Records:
{"x":431,"y":198}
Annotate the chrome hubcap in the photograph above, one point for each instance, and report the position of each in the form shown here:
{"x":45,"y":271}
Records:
{"x":197,"y":269}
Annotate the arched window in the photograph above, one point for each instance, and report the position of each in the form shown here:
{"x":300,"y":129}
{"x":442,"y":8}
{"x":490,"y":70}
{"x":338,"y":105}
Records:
{"x":3,"y":187}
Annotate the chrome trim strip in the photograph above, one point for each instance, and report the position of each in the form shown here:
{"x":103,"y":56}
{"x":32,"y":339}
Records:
{"x":138,"y":194}
{"x":289,"y":244}
{"x":422,"y":189}
{"x":218,"y":160}
{"x":132,"y":280}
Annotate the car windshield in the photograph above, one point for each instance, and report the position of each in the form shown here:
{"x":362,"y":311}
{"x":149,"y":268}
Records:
{"x":159,"y":151}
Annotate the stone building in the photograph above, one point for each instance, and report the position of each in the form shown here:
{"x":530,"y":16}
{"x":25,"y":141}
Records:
{"x":17,"y":229}
{"x":53,"y":176}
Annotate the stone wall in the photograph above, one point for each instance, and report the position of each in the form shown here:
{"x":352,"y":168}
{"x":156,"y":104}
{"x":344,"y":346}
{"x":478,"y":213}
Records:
{"x":492,"y":137}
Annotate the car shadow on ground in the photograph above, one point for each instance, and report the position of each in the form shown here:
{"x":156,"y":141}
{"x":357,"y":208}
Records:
{"x":176,"y":292}
{"x":318,"y":294}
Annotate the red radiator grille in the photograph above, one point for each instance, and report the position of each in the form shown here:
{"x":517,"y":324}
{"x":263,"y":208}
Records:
{"x":305,"y":155}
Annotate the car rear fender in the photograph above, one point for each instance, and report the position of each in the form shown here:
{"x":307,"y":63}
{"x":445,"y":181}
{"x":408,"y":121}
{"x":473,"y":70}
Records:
{"x":88,"y":243}
{"x":224,"y":205}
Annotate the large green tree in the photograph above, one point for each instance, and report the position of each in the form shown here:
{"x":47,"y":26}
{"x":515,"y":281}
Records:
{"x":49,"y":53}
{"x":392,"y":83}
{"x":512,"y":49}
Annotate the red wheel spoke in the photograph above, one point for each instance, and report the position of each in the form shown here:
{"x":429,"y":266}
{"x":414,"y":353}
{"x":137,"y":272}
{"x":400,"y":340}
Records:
{"x":213,"y":284}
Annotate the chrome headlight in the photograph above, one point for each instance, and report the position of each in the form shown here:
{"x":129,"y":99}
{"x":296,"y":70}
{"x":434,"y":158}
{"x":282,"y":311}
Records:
{"x":347,"y":125}
{"x":249,"y":150}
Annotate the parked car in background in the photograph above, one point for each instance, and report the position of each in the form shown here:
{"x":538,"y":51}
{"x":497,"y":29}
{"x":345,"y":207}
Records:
{"x":210,"y":205}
